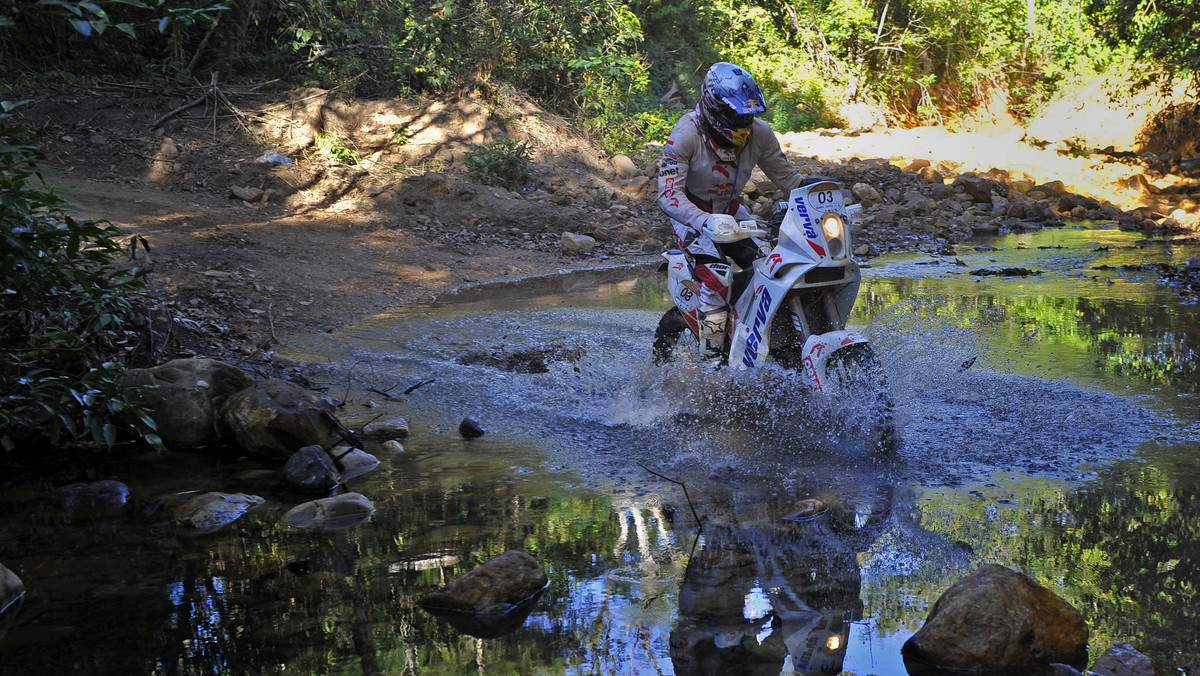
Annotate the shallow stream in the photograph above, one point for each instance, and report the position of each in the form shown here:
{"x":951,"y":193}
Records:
{"x":1049,"y":422}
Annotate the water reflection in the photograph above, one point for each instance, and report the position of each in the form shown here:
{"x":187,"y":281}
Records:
{"x":770,"y":590}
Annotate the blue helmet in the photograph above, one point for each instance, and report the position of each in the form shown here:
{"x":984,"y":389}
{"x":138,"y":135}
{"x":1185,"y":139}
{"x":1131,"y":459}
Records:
{"x":729,"y":100}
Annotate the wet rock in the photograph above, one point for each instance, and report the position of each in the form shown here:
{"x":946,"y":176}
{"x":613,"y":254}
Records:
{"x":186,"y":397}
{"x":470,"y":429}
{"x":392,"y":446}
{"x":998,"y":619}
{"x":93,"y":499}
{"x":493,"y":599}
{"x":1121,"y":659}
{"x":353,"y":462}
{"x":311,"y":470}
{"x":980,"y":189}
{"x":339,"y":511}
{"x":12,"y":594}
{"x":275,"y":418}
{"x":529,"y":360}
{"x":209,"y":512}
{"x":576,"y":243}
{"x":387,"y":426}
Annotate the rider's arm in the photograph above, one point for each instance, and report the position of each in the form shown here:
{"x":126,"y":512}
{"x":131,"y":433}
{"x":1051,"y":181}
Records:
{"x":771,"y":159}
{"x":678,"y":152}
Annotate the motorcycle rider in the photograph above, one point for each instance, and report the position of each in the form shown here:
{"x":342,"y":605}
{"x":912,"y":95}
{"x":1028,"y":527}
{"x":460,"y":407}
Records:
{"x":705,"y":165}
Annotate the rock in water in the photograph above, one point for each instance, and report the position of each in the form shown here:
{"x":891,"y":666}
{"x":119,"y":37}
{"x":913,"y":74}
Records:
{"x":311,"y":470}
{"x":276,"y":418}
{"x":339,"y":511}
{"x":998,"y":619}
{"x":493,"y":599}
{"x":186,"y":397}
{"x":470,"y":429}
{"x":12,"y":594}
{"x":211,"y":511}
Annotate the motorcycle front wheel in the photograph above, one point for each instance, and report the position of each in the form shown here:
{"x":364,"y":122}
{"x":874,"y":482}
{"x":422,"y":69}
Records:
{"x":854,"y":372}
{"x":671,"y":328}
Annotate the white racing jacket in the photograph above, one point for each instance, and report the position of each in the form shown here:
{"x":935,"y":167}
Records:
{"x":698,"y":177}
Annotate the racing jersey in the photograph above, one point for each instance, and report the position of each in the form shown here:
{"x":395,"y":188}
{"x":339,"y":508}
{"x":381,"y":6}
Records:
{"x":698,"y":177}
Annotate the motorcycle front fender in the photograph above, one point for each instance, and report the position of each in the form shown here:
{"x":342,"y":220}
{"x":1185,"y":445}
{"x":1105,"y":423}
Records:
{"x":750,"y":340}
{"x":817,"y":351}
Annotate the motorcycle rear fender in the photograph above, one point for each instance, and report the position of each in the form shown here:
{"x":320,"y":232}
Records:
{"x":680,"y":282}
{"x":818,"y":349}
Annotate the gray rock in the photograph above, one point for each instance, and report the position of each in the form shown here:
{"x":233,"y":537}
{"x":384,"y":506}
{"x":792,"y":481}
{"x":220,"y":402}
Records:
{"x":497,"y":587}
{"x":999,"y":619}
{"x":392,"y":446}
{"x":209,"y":512}
{"x":576,"y":243}
{"x":1121,"y":659}
{"x":624,"y":166}
{"x":106,"y":495}
{"x":354,"y":462}
{"x":186,"y":397}
{"x":276,"y":418}
{"x":339,"y":511}
{"x":395,"y":427}
{"x":470,"y":429}
{"x":311,"y":470}
{"x":867,"y":194}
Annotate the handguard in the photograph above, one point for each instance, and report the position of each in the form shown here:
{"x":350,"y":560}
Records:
{"x":723,"y":228}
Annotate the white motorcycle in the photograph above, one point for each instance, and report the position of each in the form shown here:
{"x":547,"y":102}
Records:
{"x":792,"y":305}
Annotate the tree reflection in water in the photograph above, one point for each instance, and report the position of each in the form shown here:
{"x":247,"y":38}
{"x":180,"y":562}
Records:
{"x":764,"y":594}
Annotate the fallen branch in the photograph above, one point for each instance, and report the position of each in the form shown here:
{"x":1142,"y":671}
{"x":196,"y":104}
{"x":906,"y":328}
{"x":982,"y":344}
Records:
{"x":423,"y":383}
{"x":699,"y":521}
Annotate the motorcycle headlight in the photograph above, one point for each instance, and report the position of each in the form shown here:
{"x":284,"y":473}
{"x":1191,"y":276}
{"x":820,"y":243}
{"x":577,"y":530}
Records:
{"x":832,"y":225}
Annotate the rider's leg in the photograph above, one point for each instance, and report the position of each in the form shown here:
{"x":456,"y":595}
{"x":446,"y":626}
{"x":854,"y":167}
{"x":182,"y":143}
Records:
{"x":715,"y":278}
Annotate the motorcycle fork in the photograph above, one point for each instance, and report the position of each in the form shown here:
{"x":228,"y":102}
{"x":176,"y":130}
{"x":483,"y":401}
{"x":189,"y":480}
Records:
{"x":800,"y":318}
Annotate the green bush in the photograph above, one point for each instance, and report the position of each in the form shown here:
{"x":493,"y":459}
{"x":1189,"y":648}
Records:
{"x":65,"y":304}
{"x":503,"y":163}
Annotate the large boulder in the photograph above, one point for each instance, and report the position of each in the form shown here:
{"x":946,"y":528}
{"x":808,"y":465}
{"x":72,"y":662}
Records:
{"x":339,"y":511}
{"x":209,"y":512}
{"x":998,"y":619}
{"x":276,"y":418}
{"x":493,"y":599}
{"x":186,"y":397}
{"x":98,"y":498}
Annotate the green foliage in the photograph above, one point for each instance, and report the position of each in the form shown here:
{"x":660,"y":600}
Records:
{"x":503,"y":163}
{"x":65,"y":305}
{"x":336,"y":148}
{"x":1165,"y":31}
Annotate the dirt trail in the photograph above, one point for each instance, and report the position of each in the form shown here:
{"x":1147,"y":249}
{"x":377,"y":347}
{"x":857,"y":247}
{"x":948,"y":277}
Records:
{"x":332,"y":242}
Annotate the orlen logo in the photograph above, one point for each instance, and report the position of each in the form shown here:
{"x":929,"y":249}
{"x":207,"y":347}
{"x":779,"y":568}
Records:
{"x":773,"y":261}
{"x":760,"y":320}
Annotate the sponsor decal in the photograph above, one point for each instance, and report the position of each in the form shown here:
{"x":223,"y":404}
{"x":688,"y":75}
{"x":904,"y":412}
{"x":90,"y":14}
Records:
{"x":810,"y":369}
{"x":690,"y":285}
{"x":763,"y":298}
{"x":721,"y":168}
{"x":810,"y":232}
{"x":774,"y":260}
{"x":668,"y":170}
{"x":669,"y":150}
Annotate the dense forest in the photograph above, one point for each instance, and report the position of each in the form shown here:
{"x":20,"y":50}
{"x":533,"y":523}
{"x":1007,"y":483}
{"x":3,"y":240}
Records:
{"x":623,"y":68}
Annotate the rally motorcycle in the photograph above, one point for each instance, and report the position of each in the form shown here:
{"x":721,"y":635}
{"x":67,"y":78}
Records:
{"x":791,"y":306}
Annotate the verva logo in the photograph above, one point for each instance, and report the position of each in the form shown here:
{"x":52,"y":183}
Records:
{"x":810,"y":370}
{"x":810,"y":232}
{"x":760,"y":320}
{"x":773,"y":261}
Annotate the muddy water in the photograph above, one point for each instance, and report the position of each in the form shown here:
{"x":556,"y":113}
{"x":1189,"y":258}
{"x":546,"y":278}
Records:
{"x":1049,"y":423}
